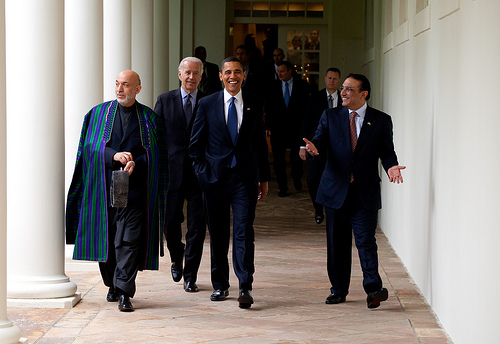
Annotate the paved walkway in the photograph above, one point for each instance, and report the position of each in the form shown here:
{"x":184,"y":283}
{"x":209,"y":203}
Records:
{"x":290,"y":288}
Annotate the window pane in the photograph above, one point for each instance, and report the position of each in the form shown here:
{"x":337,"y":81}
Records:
{"x":278,"y":9}
{"x":315,"y":10}
{"x":296,"y":9}
{"x":242,"y":9}
{"x":260,"y":9}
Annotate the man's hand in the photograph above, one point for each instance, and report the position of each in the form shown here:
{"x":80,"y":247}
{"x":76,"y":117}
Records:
{"x":302,"y":154}
{"x":129,"y":167}
{"x":310,"y":147}
{"x":395,"y":174}
{"x":268,"y":133}
{"x":263,"y":189}
{"x":123,"y":157}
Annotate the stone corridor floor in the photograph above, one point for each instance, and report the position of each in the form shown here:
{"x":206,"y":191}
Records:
{"x":290,"y":289}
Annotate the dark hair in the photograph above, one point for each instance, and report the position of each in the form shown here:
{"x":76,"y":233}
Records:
{"x":231,"y":59}
{"x":365,"y":84}
{"x":242,"y":47}
{"x":200,"y":47}
{"x":333,"y":69}
{"x":288,"y":65}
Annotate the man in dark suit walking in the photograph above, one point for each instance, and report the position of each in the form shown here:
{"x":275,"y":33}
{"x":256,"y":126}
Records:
{"x":354,"y":138}
{"x":229,"y":149}
{"x":327,"y":98}
{"x":178,"y":108}
{"x":210,"y":82}
{"x":284,"y":115}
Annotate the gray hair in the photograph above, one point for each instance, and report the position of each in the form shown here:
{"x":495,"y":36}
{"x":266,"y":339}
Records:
{"x":190,"y":59}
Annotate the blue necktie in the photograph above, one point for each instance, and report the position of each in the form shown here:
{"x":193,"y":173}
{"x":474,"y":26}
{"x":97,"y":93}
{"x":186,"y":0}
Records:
{"x":286,"y":96}
{"x":232,"y":125}
{"x":188,"y":109}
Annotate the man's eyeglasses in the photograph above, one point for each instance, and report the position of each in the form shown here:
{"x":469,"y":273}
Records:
{"x":347,"y":89}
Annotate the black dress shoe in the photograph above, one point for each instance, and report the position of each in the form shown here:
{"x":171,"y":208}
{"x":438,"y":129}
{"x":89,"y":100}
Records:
{"x":124,"y":304}
{"x":112,"y":295}
{"x":374,"y":298}
{"x":219,"y":295}
{"x":282,"y":193}
{"x":318,"y":217}
{"x":334,"y":299}
{"x":245,"y":299}
{"x":176,"y":272}
{"x":190,"y":287}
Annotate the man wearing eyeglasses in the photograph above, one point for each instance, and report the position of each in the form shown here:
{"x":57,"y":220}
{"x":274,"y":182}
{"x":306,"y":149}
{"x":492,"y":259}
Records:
{"x":354,"y":138}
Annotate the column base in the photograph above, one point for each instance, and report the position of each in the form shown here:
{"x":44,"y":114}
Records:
{"x":40,"y":287}
{"x":10,"y":334}
{"x":62,"y":302}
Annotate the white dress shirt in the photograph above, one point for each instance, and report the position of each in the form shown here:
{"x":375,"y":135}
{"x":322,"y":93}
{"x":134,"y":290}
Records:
{"x":238,"y":103}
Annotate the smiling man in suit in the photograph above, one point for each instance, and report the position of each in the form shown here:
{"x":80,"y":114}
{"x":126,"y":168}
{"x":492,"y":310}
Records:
{"x":354,"y":138}
{"x":229,"y":149}
{"x":178,"y":108}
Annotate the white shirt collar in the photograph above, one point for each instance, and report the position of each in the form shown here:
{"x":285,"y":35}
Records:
{"x":238,"y":96}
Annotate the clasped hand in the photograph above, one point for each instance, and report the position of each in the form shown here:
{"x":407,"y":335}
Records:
{"x":125,"y":158}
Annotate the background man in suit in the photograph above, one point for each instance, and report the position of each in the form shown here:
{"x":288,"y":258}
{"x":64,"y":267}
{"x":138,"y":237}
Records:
{"x":284,"y":115}
{"x":278,"y":57}
{"x":354,"y":138}
{"x":178,"y":108}
{"x":326,"y":98}
{"x":253,"y":81}
{"x":210,"y":82}
{"x":119,"y":135}
{"x":229,"y":149}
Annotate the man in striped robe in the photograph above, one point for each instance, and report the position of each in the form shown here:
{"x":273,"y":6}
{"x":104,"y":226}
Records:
{"x":119,"y":135}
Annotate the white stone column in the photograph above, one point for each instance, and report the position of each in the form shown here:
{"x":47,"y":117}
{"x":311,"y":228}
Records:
{"x":117,"y":42}
{"x":35,"y":154}
{"x":142,"y":48}
{"x":83,"y":86}
{"x":9,"y":333}
{"x":160,"y":47}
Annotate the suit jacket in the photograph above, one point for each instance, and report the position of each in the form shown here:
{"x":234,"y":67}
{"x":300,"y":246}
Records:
{"x":374,"y":143}
{"x":212,"y":149}
{"x":210,"y":81}
{"x":286,"y":123}
{"x":177,"y":132}
{"x":314,"y":109}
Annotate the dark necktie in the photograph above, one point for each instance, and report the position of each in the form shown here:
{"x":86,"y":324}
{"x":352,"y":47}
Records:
{"x":188,"y":109}
{"x":330,"y":101}
{"x":286,"y":96}
{"x":232,"y":125}
{"x":354,"y":135}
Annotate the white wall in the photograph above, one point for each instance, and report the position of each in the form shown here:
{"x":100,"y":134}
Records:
{"x":210,"y":28}
{"x":441,"y":88}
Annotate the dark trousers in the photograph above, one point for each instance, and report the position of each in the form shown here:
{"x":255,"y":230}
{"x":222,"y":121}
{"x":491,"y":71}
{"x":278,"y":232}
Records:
{"x":341,"y":223}
{"x":279,"y":147}
{"x":233,"y":194}
{"x":125,"y":227}
{"x":314,"y":172}
{"x":196,"y":226}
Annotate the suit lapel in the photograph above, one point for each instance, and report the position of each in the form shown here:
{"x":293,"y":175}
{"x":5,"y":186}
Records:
{"x":132,"y":125}
{"x":342,"y":117}
{"x":179,"y":108}
{"x":220,"y":116}
{"x":369,"y":124}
